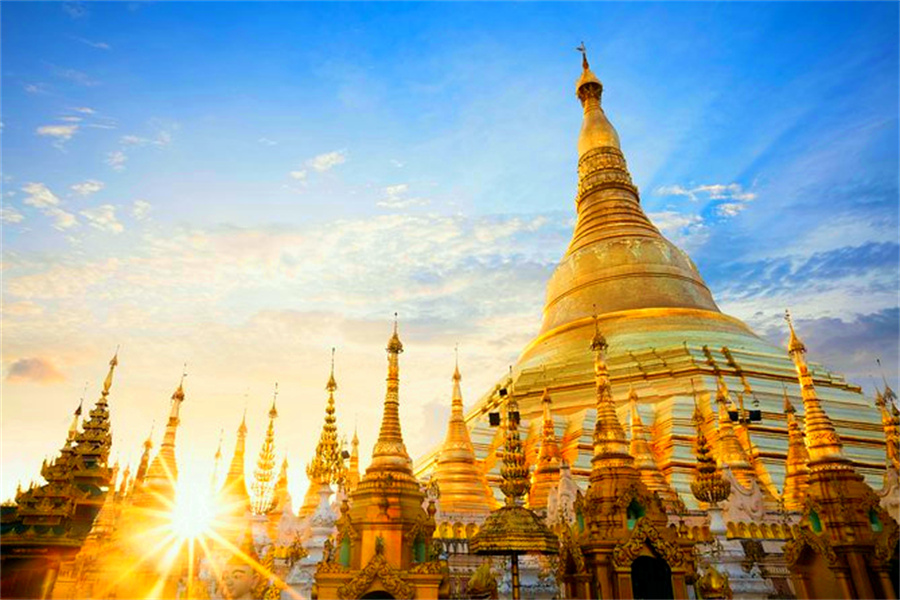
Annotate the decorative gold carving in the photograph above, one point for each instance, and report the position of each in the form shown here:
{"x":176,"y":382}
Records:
{"x":378,"y":568}
{"x":645,"y":533}
{"x":817,"y":543}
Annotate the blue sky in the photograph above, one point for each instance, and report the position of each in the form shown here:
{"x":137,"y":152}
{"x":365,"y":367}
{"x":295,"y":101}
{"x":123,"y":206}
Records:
{"x":243,"y":185}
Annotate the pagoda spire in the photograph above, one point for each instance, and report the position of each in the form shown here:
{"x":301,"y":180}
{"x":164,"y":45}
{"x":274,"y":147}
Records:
{"x":514,"y":470}
{"x":462,"y":485}
{"x":645,"y":460}
{"x":353,"y":466}
{"x":145,"y":459}
{"x":234,"y":491}
{"x":707,"y":484}
{"x":822,"y":439}
{"x":216,"y":460}
{"x":390,"y":452}
{"x":796,"y":472}
{"x":327,"y":463}
{"x":263,"y":484}
{"x":890,"y":422}
{"x":610,"y":443}
{"x":73,"y":427}
{"x":730,"y":452}
{"x":547,"y":467}
{"x":163,"y":470}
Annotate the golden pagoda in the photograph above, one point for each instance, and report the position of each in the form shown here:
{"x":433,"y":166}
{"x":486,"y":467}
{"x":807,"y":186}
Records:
{"x":353,"y":463}
{"x":645,"y":460}
{"x":796,"y":476}
{"x":664,"y":331}
{"x":547,"y":465}
{"x":629,"y":550}
{"x":264,"y":477}
{"x":464,"y":494}
{"x":327,"y":465}
{"x":384,"y":539}
{"x":43,"y":531}
{"x":846,"y":542}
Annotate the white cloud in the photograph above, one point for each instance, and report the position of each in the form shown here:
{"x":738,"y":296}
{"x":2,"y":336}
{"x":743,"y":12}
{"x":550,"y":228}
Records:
{"x":75,"y":76}
{"x":267,"y":142}
{"x":84,"y":110}
{"x":116,"y":160}
{"x":98,"y":45}
{"x":103,"y":218}
{"x":329,"y":160}
{"x":9,"y":214}
{"x":71,"y":119}
{"x":35,"y":88}
{"x":728,"y":199}
{"x":86,"y":188}
{"x":60,"y":133}
{"x":40,"y":197}
{"x":162,"y":138}
{"x":684,"y":230}
{"x":140,"y":209}
{"x":397,"y":163}
{"x":395,"y":197}
{"x":299,"y":175}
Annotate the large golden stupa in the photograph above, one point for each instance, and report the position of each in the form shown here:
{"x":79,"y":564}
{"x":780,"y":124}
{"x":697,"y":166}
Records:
{"x":664,"y":331}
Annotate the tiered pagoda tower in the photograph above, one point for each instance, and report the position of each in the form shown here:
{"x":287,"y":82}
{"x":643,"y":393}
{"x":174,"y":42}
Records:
{"x":50,"y":522}
{"x":385,"y":535}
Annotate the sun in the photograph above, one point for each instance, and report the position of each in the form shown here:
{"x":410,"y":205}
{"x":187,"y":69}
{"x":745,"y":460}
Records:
{"x":194,"y":511}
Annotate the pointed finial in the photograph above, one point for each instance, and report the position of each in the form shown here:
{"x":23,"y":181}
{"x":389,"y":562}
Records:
{"x":788,"y":407}
{"x":107,"y":383}
{"x":242,"y":428}
{"x":394,"y":345}
{"x":332,"y":383}
{"x":598,"y":343}
{"x":219,"y":448}
{"x":795,"y":345}
{"x":273,"y":412}
{"x":584,"y":60}
{"x":889,"y":394}
{"x":148,"y":443}
{"x":179,"y":393}
{"x":456,"y":375}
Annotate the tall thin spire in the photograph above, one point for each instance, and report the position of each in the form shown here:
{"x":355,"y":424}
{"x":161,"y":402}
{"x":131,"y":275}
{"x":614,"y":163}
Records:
{"x":645,"y":460}
{"x":547,"y":468}
{"x":163,"y":471}
{"x":234,"y":491}
{"x":390,"y":452}
{"x":263,"y":486}
{"x":730,"y":451}
{"x":327,"y":464}
{"x":796,"y":472}
{"x":463,"y":487}
{"x":610,"y":443}
{"x":73,"y":427}
{"x":353,"y":466}
{"x":822,"y":439}
{"x":216,"y":460}
{"x":145,"y":459}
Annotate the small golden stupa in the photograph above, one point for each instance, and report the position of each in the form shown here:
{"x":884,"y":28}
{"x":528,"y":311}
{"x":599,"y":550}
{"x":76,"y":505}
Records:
{"x":384,"y":539}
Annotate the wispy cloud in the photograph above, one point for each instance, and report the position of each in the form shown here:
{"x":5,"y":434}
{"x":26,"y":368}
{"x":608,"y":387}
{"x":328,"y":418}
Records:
{"x":396,"y":198}
{"x":76,"y":10}
{"x":103,"y":217}
{"x":59,"y":133}
{"x":84,"y":110}
{"x":34,"y":370}
{"x":685,"y":230}
{"x":74,"y":75}
{"x":86,"y":188}
{"x":329,"y":160}
{"x":141,"y":209}
{"x":267,"y":142}
{"x":299,"y":175}
{"x":93,"y":44}
{"x":117,"y":159}
{"x":728,"y":199}
{"x":9,"y":214}
{"x":40,"y":197}
{"x":35,"y":88}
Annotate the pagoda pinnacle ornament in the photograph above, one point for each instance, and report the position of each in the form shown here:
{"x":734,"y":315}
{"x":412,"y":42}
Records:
{"x":796,"y":472}
{"x":645,"y":460}
{"x":163,"y":471}
{"x":463,"y":488}
{"x":822,"y":439}
{"x":707,"y":485}
{"x":327,"y":465}
{"x":233,"y":493}
{"x":547,"y":467}
{"x":610,"y":443}
{"x":263,"y":486}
